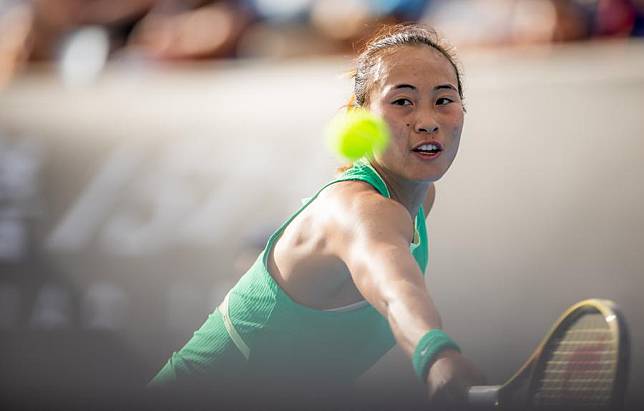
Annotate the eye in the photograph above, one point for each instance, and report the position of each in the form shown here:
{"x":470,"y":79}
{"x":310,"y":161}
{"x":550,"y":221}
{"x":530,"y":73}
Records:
{"x":443,"y":101}
{"x":402,"y":102}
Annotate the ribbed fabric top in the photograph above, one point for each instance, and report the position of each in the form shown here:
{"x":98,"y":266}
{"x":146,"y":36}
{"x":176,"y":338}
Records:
{"x":288,"y":340}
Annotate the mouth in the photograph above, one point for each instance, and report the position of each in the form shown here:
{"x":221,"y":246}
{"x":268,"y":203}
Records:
{"x":428,"y":150}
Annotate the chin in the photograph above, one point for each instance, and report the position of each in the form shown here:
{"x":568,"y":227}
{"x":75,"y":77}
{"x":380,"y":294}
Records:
{"x":424,"y":177}
{"x":428,"y":176}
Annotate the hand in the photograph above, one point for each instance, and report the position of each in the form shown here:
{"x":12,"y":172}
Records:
{"x":449,"y":378}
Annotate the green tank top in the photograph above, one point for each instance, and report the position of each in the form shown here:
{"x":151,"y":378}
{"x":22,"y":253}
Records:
{"x":282,"y":339}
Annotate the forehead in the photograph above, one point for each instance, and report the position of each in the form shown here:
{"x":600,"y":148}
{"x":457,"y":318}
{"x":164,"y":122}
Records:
{"x":420,"y":65}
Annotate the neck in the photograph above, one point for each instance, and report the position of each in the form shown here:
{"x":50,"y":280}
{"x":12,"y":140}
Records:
{"x":410,"y":194}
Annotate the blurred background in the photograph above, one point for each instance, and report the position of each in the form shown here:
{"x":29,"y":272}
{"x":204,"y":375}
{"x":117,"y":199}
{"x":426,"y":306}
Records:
{"x":148,"y":148}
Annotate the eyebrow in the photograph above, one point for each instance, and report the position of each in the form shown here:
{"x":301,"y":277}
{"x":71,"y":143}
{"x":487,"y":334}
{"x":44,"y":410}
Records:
{"x":439,"y":87}
{"x":399,"y":86}
{"x":445,"y":86}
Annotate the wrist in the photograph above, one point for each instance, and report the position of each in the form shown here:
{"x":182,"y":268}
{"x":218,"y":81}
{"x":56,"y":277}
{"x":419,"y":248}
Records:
{"x":435,"y":344}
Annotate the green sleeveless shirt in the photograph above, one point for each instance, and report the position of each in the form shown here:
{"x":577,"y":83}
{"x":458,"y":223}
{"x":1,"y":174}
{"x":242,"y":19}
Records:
{"x":262,"y":333}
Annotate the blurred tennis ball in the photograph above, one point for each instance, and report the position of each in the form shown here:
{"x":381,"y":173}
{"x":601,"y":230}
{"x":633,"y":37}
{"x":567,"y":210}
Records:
{"x":356,"y":133}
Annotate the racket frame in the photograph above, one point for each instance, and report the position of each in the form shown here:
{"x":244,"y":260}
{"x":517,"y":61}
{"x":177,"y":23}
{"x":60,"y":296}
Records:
{"x":617,"y":328}
{"x":516,"y":392}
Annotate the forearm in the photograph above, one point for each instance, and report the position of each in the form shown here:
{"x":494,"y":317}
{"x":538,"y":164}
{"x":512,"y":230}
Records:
{"x":411,"y":313}
{"x":403,"y":297}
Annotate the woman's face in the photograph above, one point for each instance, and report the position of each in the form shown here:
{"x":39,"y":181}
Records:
{"x":415,"y":91}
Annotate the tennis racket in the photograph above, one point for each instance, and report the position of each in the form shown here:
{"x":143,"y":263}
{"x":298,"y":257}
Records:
{"x":581,"y":364}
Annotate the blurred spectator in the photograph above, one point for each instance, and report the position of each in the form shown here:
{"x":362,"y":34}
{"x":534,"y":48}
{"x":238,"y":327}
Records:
{"x":184,"y":29}
{"x":614,"y":18}
{"x":163,"y":29}
{"x":37,"y":30}
{"x":315,"y":27}
{"x":351,"y":20}
{"x":472,"y":22}
{"x":638,"y":26}
{"x":16,"y":21}
{"x":54,"y":19}
{"x":516,"y":22}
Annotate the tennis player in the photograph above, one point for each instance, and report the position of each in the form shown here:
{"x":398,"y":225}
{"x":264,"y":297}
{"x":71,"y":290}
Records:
{"x":342,"y":280}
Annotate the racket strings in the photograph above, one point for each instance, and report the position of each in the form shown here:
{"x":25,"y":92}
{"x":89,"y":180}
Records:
{"x":581,"y":368}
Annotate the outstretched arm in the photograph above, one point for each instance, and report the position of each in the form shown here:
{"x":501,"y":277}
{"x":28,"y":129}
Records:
{"x":375,"y":248}
{"x":376,"y":251}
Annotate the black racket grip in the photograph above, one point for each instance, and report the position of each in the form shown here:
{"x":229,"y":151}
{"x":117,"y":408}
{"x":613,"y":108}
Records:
{"x":483,"y":397}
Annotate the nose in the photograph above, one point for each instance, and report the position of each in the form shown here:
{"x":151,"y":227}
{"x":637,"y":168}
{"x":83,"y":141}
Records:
{"x":426,"y":123}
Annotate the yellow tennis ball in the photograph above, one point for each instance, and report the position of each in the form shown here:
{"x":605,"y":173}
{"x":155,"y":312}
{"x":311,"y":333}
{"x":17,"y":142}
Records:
{"x":357,"y":133}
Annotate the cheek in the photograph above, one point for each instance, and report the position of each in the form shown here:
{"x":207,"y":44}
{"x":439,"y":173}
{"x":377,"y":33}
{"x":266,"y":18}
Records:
{"x":399,"y":132}
{"x":454,"y":125}
{"x":389,"y":119}
{"x":396,"y":129}
{"x":397,"y":125}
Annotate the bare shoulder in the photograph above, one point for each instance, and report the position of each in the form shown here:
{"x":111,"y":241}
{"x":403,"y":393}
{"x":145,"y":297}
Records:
{"x":358,"y":211}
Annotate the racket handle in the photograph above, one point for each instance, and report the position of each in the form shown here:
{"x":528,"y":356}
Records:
{"x":483,"y":396}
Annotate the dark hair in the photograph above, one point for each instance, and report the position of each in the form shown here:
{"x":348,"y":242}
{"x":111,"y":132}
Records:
{"x":391,"y":37}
